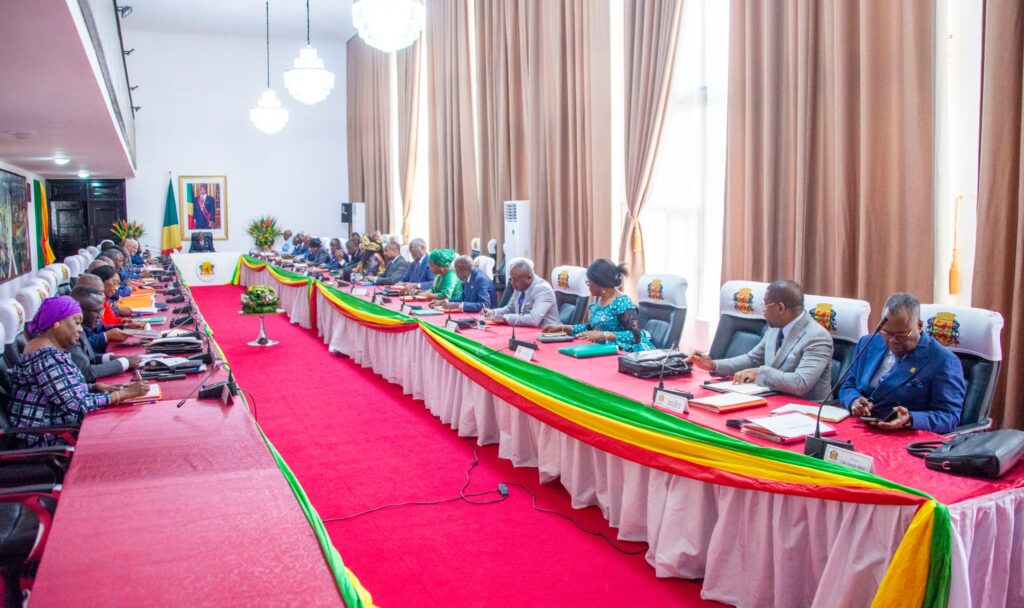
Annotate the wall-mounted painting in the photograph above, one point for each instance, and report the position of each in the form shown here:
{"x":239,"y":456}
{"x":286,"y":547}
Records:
{"x":203,"y":205}
{"x":15,"y":256}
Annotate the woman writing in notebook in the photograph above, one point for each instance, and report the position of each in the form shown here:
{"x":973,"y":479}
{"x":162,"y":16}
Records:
{"x":612,"y":318}
{"x":46,"y":387}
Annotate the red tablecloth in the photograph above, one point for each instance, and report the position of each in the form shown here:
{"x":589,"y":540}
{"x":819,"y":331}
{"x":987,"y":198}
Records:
{"x":179,"y":507}
{"x":888,"y":449}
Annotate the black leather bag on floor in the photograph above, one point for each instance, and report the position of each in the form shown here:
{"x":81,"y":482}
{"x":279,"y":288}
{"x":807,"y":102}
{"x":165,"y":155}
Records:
{"x":973,"y":454}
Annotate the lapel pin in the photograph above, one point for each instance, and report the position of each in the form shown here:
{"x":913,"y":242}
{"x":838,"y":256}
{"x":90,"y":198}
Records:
{"x":913,"y":370}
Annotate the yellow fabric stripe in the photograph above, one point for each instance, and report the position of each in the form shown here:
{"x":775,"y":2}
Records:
{"x":906,"y":578}
{"x":695,"y":452}
{"x":366,"y":316}
{"x":171,"y":237}
{"x":364,"y":595}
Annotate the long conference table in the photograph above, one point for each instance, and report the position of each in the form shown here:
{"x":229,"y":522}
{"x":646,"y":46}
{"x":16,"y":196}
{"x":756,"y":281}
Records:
{"x":759,"y":523}
{"x":169,"y":506}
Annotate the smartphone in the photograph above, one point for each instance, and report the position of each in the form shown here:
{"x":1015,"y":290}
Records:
{"x":873,"y":420}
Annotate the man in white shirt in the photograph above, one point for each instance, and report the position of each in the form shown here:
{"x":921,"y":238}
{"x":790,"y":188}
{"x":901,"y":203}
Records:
{"x":287,"y":246}
{"x":795,"y":354}
{"x":533,"y":302}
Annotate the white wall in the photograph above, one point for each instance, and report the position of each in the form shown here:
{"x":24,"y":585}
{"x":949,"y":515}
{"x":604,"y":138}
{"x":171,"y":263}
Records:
{"x":196,"y":92}
{"x":8,"y":288}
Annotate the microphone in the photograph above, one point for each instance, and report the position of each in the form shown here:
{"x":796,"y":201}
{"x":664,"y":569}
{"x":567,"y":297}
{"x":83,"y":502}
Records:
{"x":815,"y":446}
{"x":514,"y":344}
{"x":661,"y":383}
{"x":199,"y":384}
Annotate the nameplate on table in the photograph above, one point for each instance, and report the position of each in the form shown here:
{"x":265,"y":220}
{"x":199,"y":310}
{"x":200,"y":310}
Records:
{"x":451,"y":326}
{"x":406,"y":309}
{"x":524,"y":353}
{"x":671,"y":401}
{"x":848,"y":458}
{"x":360,"y":291}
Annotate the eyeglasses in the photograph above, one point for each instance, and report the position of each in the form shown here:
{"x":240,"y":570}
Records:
{"x":767,"y":304}
{"x":898,"y":335}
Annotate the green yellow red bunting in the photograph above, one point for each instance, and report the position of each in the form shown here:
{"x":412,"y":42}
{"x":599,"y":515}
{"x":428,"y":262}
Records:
{"x":920,"y":570}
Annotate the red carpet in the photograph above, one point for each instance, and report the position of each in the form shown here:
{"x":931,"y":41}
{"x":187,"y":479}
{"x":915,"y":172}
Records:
{"x":356,"y":442}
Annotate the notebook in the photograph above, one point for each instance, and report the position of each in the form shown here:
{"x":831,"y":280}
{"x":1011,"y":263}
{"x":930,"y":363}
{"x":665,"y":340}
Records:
{"x":154,"y":394}
{"x":829,"y":413}
{"x":727,"y":402}
{"x":585,"y":351}
{"x":729,"y":386}
{"x":426,"y":312}
{"x":784,"y":428}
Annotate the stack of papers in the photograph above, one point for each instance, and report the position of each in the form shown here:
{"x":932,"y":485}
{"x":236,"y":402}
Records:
{"x":785,"y":428}
{"x":727,"y":402}
{"x":829,"y":413}
{"x":744,"y":389}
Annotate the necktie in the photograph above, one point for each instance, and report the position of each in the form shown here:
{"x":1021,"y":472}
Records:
{"x":522,"y":298}
{"x":778,"y":344}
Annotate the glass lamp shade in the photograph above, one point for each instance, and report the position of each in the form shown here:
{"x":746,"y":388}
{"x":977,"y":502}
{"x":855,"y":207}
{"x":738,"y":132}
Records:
{"x":268,"y":115}
{"x":389,"y":25}
{"x":308,"y":81}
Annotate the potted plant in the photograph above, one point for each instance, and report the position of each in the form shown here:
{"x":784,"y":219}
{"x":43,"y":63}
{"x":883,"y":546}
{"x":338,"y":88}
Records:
{"x":259,"y":299}
{"x":264,"y":231}
{"x":122,"y":230}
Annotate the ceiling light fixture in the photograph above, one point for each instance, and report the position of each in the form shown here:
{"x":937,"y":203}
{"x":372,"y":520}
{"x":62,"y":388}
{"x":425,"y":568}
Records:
{"x":268,"y":115}
{"x":84,"y":174}
{"x":60,"y":160}
{"x":389,"y":25}
{"x":308,"y":81}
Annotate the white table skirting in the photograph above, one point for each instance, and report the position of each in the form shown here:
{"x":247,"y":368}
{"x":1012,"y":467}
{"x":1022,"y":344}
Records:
{"x":751,"y":548}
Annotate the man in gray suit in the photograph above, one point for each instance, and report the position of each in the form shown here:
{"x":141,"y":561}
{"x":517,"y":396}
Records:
{"x":395,"y":265}
{"x":795,"y":354}
{"x":95,"y":366}
{"x":532,"y":303}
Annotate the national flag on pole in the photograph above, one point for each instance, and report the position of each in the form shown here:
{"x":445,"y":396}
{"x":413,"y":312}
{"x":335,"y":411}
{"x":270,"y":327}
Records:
{"x":171,"y":239}
{"x":44,"y":254}
{"x":190,"y":200}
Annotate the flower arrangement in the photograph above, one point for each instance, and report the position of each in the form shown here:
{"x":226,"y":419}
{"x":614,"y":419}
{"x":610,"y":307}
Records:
{"x":259,"y":299}
{"x":124,"y":230}
{"x":264,"y":231}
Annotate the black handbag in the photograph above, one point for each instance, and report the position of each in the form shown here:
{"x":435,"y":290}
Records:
{"x":654,"y":364}
{"x":973,"y":454}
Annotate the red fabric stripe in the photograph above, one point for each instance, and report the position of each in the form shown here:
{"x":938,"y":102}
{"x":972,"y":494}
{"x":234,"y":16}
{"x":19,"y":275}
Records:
{"x":667,"y":463}
{"x":375,"y":326}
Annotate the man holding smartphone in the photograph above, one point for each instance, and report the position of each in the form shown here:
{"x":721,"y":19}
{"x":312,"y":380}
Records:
{"x":905,"y":379}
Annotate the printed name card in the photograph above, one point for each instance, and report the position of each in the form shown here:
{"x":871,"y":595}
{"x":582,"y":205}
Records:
{"x":524,"y":353}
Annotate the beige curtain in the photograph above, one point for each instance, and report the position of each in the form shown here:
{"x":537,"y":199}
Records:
{"x":501,"y":31}
{"x":999,"y":255}
{"x":407,"y":64}
{"x":651,"y":35}
{"x":829,"y":152}
{"x":568,"y":142}
{"x":454,"y":204}
{"x":369,"y":142}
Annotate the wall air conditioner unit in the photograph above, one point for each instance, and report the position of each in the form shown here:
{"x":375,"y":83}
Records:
{"x":517,"y":230}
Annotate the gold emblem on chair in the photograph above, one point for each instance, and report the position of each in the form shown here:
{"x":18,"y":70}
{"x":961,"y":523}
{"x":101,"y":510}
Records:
{"x":563,"y":279}
{"x":656,"y":290}
{"x":825,"y":316}
{"x":945,"y":328}
{"x":743,"y":300}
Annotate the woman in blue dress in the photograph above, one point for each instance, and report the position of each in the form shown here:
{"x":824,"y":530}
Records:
{"x":612,"y":318}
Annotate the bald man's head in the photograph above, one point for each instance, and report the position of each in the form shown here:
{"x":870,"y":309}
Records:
{"x":100,"y":261}
{"x":91,"y":281}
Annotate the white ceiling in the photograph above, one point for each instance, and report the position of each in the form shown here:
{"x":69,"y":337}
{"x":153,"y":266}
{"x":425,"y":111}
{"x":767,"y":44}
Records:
{"x":330,"y":19}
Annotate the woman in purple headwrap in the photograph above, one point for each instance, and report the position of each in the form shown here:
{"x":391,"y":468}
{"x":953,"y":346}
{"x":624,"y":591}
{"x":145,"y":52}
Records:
{"x":47,"y":389}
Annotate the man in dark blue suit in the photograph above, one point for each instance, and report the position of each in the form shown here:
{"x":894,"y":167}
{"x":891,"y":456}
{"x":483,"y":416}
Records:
{"x":906,"y":373}
{"x":418,"y":276}
{"x":477,"y":289}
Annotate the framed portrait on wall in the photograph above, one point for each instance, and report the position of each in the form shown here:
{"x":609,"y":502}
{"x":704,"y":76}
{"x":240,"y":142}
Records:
{"x":15,"y":253}
{"x":203,"y":205}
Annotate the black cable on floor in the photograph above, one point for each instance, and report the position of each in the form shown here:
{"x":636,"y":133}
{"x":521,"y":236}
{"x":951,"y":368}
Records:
{"x":503,"y":495}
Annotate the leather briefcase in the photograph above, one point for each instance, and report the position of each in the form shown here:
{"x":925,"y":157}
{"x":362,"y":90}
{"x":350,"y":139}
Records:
{"x":973,"y":454}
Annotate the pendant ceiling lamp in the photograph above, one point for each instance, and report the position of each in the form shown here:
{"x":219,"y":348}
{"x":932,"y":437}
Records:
{"x":389,"y":25}
{"x":308,"y":81}
{"x":268,"y":115}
